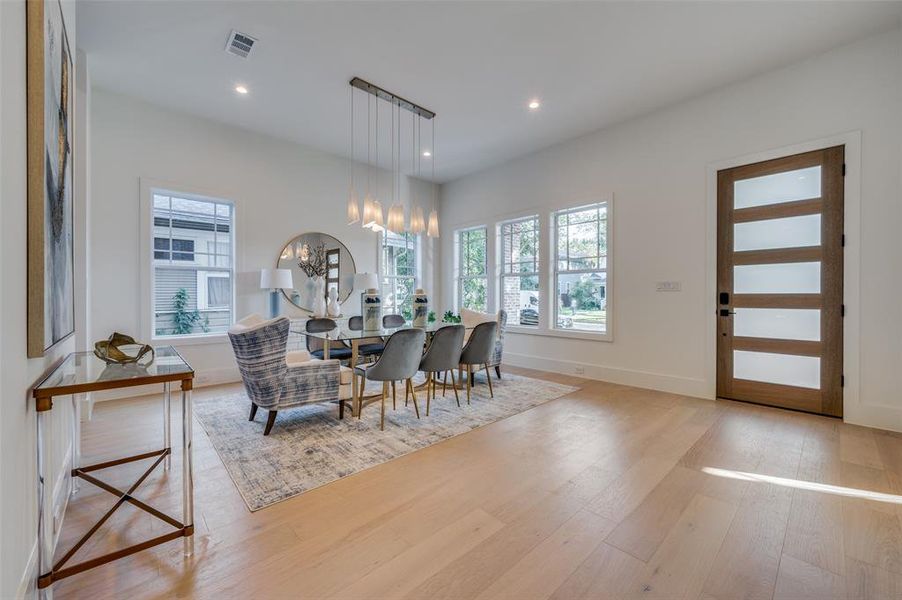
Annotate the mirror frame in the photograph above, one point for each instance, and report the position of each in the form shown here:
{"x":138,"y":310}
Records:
{"x":341,"y":300}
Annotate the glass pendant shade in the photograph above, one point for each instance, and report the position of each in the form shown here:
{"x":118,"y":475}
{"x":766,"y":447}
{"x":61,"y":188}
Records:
{"x":353,"y":207}
{"x":432,"y":230}
{"x":396,"y":219}
{"x":367,"y":211}
{"x":377,"y":224}
{"x":417,"y":222}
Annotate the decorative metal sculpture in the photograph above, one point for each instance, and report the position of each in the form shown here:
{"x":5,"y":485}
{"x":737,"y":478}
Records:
{"x":110,"y":351}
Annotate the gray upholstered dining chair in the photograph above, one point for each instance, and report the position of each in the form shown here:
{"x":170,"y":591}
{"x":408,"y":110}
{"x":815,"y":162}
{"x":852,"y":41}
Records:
{"x":315,"y":345}
{"x":479,"y":350}
{"x":442,"y":355}
{"x":399,"y":362}
{"x":275,"y":379}
{"x":392,"y":321}
{"x":369,"y":347}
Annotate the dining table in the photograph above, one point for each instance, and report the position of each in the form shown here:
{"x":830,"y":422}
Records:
{"x":353,"y":338}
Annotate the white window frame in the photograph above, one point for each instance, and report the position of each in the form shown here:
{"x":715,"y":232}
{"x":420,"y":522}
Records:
{"x":203,"y":289}
{"x":148,"y":188}
{"x":556,"y":271}
{"x":380,"y":257}
{"x":503,"y":273}
{"x":459,"y":277}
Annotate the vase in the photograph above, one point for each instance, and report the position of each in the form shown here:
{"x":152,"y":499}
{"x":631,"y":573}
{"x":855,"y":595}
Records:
{"x":334,"y":308}
{"x":372,"y":310}
{"x":319,"y":298}
{"x":420,"y":308}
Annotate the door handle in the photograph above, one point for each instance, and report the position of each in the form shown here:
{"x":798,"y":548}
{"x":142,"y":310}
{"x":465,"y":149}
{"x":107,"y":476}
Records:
{"x":726,"y":312}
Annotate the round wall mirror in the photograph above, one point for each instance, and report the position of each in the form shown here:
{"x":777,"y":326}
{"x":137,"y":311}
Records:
{"x":339,"y":269}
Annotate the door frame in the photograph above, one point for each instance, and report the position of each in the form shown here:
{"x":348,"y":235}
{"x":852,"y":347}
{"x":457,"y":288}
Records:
{"x":852,"y":409}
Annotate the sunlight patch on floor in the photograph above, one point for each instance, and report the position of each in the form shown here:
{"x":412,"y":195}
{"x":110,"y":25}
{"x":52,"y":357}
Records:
{"x":805,"y":485}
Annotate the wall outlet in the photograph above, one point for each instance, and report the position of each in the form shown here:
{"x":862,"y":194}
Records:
{"x":668,"y":286}
{"x":580,"y":371}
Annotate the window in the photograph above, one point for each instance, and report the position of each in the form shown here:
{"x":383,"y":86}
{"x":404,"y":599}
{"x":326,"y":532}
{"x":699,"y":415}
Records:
{"x":471,"y":269}
{"x":580,"y":268}
{"x":193,"y":267}
{"x":181,"y":249}
{"x":519,"y":243}
{"x":399,"y":272}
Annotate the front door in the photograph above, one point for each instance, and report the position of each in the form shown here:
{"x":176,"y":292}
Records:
{"x":780,"y":282}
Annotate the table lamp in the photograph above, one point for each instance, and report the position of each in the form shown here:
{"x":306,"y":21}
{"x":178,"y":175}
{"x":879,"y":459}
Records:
{"x":275,"y":280}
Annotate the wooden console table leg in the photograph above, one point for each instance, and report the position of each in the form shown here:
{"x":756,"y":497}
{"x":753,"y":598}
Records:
{"x":187,"y":468}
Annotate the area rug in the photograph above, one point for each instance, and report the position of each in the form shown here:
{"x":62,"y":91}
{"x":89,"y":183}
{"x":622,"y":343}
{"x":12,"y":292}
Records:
{"x":309,"y":446}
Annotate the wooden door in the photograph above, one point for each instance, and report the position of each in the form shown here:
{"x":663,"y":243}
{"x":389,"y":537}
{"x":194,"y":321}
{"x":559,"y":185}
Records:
{"x":780,"y":282}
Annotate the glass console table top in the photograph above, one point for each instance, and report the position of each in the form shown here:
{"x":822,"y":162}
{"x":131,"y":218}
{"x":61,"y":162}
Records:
{"x":83,"y":372}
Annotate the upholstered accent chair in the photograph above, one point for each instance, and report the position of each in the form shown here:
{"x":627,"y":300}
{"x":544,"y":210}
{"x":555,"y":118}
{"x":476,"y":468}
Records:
{"x":442,"y":356}
{"x":478,"y":352}
{"x":472,"y":318}
{"x":399,"y":362}
{"x":275,"y":379}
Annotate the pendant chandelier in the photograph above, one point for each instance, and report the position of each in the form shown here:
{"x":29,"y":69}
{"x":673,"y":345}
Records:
{"x":372,"y":216}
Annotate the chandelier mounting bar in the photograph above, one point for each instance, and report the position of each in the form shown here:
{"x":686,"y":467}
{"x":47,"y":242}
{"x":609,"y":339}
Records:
{"x":379,"y":92}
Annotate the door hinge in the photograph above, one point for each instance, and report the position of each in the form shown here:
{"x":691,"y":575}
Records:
{"x":842,"y":381}
{"x":843,"y":240}
{"x":844,"y":169}
{"x":842,"y":310}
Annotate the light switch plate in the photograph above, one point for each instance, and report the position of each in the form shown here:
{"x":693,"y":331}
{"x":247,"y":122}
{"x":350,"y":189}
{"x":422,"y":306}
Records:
{"x":668,"y":286}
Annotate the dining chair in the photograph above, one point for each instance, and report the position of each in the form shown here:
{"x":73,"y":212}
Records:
{"x":316,"y":346}
{"x":392,"y":321}
{"x":479,"y":351}
{"x":399,"y":362}
{"x":369,"y":347}
{"x":442,"y":355}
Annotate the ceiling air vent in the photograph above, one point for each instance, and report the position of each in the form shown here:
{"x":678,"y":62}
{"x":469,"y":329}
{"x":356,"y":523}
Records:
{"x":240,"y":44}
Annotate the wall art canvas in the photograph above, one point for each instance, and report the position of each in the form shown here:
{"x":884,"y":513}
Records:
{"x":50,"y":81}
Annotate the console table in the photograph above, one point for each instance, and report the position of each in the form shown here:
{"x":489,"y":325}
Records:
{"x":82,"y":372}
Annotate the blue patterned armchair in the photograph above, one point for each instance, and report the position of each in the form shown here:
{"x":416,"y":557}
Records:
{"x":275,"y":379}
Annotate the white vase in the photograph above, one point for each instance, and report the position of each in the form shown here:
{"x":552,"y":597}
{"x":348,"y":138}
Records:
{"x":334,"y":308}
{"x":420,"y":308}
{"x":372,"y":310}
{"x":319,"y":298}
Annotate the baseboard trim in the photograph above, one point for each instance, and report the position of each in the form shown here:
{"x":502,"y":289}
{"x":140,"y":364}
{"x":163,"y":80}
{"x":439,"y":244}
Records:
{"x":204,"y":378}
{"x":686,"y":386}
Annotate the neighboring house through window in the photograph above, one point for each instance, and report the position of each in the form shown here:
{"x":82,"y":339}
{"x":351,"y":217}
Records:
{"x":399,"y":272}
{"x":581,"y":268}
{"x":193,"y":265}
{"x":519,"y":243}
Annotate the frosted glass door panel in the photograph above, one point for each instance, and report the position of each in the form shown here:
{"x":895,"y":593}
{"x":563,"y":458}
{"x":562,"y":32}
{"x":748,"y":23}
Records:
{"x":790,"y":232}
{"x":779,"y":278}
{"x":779,"y":323}
{"x":783,"y":369}
{"x":801,"y":184}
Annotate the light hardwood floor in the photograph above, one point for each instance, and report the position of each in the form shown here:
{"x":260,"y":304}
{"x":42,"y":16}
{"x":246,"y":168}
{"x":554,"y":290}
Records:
{"x":609,"y":492}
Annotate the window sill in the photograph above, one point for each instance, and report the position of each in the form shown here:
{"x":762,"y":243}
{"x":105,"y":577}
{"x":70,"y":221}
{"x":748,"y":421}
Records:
{"x":561,"y":333}
{"x":190,"y":340}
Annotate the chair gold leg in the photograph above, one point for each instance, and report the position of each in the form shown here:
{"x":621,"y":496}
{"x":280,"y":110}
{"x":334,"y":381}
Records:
{"x":360,"y":395}
{"x":444,"y":384}
{"x":469,"y":382}
{"x":413,"y":395}
{"x":384,"y":394}
{"x":428,"y":402}
{"x":454,"y":387}
{"x":489,"y":379}
{"x":394,"y":405}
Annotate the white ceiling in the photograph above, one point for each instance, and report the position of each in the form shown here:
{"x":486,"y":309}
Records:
{"x":475,"y":64}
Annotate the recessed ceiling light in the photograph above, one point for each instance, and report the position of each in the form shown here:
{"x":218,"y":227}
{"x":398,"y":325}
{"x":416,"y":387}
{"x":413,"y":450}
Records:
{"x":241,"y":89}
{"x":427,"y":153}
{"x":534,"y":104}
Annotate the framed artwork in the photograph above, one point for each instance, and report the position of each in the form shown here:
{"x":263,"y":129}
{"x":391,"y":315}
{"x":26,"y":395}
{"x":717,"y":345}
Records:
{"x":50,"y":83}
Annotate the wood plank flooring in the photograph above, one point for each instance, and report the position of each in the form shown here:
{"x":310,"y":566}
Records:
{"x":609,"y":492}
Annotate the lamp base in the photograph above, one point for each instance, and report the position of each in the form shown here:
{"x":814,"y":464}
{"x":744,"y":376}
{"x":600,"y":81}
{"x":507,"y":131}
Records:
{"x":274,"y":307}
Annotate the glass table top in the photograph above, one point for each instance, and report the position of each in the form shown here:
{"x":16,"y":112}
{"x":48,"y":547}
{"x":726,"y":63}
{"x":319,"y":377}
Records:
{"x":343,"y":333}
{"x":84,"y":370}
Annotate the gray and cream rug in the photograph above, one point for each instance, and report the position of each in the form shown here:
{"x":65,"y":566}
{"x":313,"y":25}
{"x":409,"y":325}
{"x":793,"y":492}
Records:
{"x":309,"y":446}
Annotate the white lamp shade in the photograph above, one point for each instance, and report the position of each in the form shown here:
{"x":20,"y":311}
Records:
{"x":365,"y":281}
{"x":273,"y":279}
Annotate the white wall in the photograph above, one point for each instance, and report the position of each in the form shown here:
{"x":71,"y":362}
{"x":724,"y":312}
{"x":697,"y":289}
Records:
{"x":18,"y":516}
{"x":656,"y":168}
{"x":280,"y":190}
